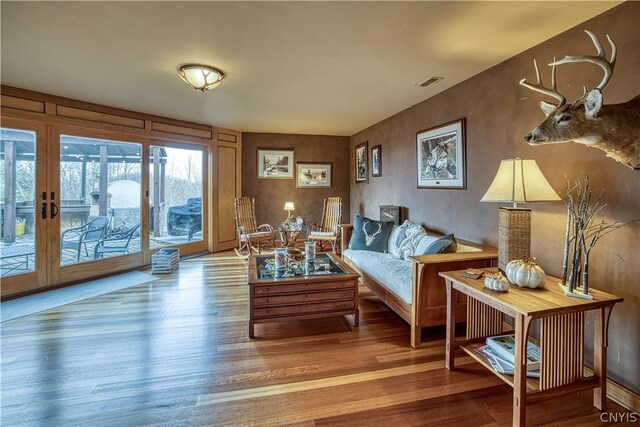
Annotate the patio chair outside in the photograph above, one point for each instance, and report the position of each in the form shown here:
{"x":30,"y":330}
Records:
{"x":250,"y":235}
{"x":78,"y":237}
{"x":328,"y":231}
{"x":116,"y":242}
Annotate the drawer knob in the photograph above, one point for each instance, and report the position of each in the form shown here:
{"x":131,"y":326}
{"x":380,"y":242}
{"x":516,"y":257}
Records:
{"x":267,"y":311}
{"x":266,"y":299}
{"x":266,"y":289}
{"x":341,"y":305}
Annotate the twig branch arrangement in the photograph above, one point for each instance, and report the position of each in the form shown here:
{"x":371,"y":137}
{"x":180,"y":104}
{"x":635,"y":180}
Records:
{"x":582,"y":232}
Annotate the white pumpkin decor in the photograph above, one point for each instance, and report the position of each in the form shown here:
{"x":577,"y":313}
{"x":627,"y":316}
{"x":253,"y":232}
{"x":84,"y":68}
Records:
{"x":526,"y":274}
{"x":496,"y":282}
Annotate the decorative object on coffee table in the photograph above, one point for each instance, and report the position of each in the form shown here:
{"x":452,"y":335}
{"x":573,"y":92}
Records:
{"x":362,"y":163}
{"x":517,"y":181}
{"x":376,"y":161}
{"x":440,"y":154}
{"x":310,"y":251}
{"x":275,"y":164}
{"x":391,"y":213}
{"x":582,"y":234}
{"x":313,"y":175}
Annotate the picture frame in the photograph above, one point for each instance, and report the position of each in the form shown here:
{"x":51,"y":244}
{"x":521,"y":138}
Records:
{"x":275,"y":163}
{"x":313,"y":175}
{"x":376,"y":161}
{"x":441,"y":156}
{"x":361,"y":159}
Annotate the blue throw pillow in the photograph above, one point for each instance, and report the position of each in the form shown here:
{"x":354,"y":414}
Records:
{"x":370,"y":235}
{"x":444,"y":245}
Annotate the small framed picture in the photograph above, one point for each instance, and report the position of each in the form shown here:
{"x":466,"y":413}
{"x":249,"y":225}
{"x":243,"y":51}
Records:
{"x":376,"y":161}
{"x":275,"y":164}
{"x":362,"y":163}
{"x":313,"y":175}
{"x":440,"y":156}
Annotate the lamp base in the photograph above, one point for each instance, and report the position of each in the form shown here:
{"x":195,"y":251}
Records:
{"x":514,"y":235}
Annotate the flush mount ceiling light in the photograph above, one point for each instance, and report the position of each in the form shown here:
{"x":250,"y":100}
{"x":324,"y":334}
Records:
{"x":201,"y":77}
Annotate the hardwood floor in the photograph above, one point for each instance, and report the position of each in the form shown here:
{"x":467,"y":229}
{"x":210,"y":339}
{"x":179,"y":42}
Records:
{"x":176,"y":352}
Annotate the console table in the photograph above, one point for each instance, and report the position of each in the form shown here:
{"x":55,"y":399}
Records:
{"x":561,"y":336}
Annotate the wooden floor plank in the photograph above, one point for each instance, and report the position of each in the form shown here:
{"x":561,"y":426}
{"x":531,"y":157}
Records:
{"x":177,"y":352}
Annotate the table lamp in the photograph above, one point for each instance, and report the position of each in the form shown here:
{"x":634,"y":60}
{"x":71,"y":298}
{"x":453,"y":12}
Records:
{"x":288,"y":206}
{"x":517,"y":181}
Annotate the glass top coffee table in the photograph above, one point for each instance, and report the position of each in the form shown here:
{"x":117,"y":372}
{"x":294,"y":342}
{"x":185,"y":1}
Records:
{"x":326,"y":288}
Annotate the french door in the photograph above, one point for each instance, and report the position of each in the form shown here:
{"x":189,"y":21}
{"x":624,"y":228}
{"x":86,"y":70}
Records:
{"x":78,"y":203}
{"x":23,"y":236}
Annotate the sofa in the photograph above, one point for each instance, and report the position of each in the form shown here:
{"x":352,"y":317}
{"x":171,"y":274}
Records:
{"x":410,"y":284}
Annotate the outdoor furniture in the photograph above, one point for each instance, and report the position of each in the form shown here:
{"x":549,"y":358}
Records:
{"x":328,"y":231}
{"x":116,"y":242}
{"x":15,"y":257}
{"x":76,"y":238}
{"x":185,"y":219}
{"x":249,"y":233}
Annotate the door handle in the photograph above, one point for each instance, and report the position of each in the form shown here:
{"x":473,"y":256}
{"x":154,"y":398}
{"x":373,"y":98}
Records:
{"x":54,"y":210}
{"x":43,"y":211}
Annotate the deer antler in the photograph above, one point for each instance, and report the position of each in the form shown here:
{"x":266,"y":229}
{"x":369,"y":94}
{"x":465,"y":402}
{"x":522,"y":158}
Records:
{"x":600,"y":60}
{"x":539,"y":87}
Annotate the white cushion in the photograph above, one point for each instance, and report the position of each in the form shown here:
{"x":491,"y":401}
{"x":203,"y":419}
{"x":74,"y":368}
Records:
{"x":322,"y":233}
{"x":401,"y":233}
{"x":258,"y":234}
{"x":392,"y":273}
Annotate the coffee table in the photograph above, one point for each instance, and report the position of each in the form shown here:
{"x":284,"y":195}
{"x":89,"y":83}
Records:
{"x":329,"y":289}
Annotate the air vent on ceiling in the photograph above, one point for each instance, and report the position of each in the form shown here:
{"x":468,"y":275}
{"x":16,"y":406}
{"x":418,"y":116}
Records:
{"x":431,"y":81}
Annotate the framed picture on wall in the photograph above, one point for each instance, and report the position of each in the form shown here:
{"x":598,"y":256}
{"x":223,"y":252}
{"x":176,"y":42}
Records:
{"x":362,"y":163}
{"x":313,"y":175}
{"x":275,"y":164}
{"x":440,"y":156}
{"x":376,"y":161}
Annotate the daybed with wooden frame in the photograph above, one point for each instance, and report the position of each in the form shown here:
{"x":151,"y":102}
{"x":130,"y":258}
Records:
{"x":427,"y":287}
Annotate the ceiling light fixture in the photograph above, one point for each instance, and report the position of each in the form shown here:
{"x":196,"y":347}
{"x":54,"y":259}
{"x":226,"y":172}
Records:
{"x":201,"y":77}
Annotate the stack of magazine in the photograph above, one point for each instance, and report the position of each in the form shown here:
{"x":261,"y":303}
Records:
{"x":499,"y":352}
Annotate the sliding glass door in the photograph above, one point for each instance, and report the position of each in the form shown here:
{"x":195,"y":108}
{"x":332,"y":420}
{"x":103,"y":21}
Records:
{"x":176,"y":189}
{"x":97,"y":224}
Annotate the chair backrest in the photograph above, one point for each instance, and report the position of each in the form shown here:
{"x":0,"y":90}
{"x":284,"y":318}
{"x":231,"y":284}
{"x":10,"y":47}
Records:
{"x":96,"y":227}
{"x":245,"y":210}
{"x":331,"y":214}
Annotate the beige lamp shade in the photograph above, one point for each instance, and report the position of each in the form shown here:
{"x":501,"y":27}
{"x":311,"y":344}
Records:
{"x":288,"y":206}
{"x":519,"y":181}
{"x":201,"y":77}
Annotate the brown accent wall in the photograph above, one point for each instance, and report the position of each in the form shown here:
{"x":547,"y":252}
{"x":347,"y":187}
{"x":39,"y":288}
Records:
{"x":499,"y":113}
{"x":271,"y":194}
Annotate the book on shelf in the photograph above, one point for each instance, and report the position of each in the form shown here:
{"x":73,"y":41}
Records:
{"x":500,"y":365}
{"x":505,"y":346}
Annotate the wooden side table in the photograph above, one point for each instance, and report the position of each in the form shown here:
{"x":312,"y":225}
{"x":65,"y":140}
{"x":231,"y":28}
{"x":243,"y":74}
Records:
{"x":561,"y":336}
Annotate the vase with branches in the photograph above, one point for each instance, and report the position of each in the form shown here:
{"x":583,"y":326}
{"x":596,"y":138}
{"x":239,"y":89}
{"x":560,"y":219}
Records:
{"x":582,"y":233}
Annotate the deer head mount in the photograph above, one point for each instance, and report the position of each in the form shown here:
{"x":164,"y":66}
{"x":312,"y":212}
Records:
{"x":614,"y":129}
{"x":368,"y":240}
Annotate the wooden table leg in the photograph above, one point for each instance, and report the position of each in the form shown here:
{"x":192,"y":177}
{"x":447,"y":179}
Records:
{"x":451,"y":327}
{"x":522,"y":324}
{"x":251,"y":329}
{"x":600,"y":343}
{"x":356,"y":318}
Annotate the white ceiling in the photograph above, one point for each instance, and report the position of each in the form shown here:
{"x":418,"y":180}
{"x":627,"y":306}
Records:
{"x":292,"y":67}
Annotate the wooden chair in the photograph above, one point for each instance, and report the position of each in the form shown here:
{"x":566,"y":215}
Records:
{"x":328,"y":230}
{"x":250,"y":235}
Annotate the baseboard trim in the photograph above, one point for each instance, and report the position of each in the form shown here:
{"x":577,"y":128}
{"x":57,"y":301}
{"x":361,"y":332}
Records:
{"x":620,"y":394}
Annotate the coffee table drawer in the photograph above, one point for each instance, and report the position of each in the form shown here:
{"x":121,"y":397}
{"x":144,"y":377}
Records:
{"x":293,"y":310}
{"x":300,"y":287}
{"x":303,"y":297}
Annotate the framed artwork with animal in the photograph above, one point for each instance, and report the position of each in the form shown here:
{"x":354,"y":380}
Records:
{"x":440,"y":156}
{"x":614,"y":129}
